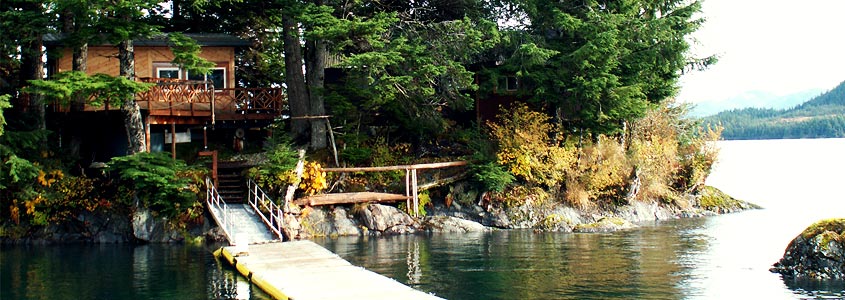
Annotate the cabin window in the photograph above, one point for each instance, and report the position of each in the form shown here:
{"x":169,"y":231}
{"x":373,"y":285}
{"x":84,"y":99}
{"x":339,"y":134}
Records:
{"x":168,"y":73}
{"x":508,"y":84}
{"x":216,"y":76}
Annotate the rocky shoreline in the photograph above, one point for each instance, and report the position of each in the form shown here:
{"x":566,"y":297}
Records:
{"x":380,"y":219}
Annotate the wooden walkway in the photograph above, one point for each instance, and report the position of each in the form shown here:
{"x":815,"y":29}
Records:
{"x":303,"y":270}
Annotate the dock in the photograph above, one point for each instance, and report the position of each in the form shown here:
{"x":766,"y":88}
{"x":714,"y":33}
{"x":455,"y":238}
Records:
{"x":303,"y":270}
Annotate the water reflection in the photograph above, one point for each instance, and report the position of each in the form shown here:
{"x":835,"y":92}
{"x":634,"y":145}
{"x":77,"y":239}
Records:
{"x":118,"y":272}
{"x":649,"y":263}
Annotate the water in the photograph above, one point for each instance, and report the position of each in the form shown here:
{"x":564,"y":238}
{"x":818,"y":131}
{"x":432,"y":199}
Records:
{"x":119,"y":272}
{"x":724,"y":257}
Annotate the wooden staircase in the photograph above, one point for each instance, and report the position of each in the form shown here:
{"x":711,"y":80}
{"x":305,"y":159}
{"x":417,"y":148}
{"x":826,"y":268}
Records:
{"x":231,"y":183}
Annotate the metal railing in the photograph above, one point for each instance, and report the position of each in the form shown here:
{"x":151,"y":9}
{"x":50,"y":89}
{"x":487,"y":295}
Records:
{"x":258,"y":199}
{"x":215,"y":203}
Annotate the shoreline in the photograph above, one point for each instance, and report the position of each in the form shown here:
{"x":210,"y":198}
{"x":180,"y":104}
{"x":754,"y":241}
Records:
{"x":378,"y":220}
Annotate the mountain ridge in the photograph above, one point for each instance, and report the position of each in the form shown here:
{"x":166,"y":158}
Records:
{"x":822,"y":116}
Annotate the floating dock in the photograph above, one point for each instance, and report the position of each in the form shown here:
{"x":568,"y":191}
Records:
{"x":303,"y":270}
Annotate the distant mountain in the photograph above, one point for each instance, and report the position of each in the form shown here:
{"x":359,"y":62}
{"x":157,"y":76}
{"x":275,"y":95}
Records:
{"x":753,"y":99}
{"x":820,"y":117}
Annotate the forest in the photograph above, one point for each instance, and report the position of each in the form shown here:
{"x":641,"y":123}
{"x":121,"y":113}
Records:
{"x":590,"y":87}
{"x":821,"y":117}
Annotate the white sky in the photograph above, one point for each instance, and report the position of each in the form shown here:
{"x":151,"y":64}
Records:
{"x":775,"y":46}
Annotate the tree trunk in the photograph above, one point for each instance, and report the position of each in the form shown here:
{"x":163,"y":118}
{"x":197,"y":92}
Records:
{"x":295,"y":79}
{"x":80,"y":54}
{"x":315,"y":67}
{"x":131,"y":111}
{"x":32,"y":67}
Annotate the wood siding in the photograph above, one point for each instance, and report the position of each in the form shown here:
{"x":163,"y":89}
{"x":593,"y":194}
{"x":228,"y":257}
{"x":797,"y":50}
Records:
{"x":103,"y":59}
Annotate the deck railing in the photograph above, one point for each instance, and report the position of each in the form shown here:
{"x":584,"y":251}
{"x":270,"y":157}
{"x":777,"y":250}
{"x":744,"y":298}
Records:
{"x":174,"y":97}
{"x":258,"y":200}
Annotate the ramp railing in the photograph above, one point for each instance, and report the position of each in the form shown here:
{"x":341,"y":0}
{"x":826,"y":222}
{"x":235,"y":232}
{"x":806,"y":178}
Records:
{"x":269,"y":212}
{"x":219,"y":210}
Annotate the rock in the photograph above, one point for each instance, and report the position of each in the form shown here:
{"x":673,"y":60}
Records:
{"x":386,"y":219}
{"x":343,"y":224}
{"x":604,"y":224}
{"x":452,"y":224}
{"x":713,"y":199}
{"x":818,"y":252}
{"x":144,"y":226}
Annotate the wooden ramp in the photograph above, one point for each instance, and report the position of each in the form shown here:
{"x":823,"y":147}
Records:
{"x":303,"y":270}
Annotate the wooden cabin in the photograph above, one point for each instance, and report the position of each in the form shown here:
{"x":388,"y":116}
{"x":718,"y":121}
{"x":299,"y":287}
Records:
{"x":179,"y":101}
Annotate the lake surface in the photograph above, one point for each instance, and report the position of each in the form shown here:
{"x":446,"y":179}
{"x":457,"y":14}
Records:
{"x":724,"y":257}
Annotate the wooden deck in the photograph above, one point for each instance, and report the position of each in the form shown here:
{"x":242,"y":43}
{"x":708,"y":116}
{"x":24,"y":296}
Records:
{"x":195,"y":102}
{"x":304,"y":270}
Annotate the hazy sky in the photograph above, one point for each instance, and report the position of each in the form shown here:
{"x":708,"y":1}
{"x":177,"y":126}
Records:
{"x":774,"y":46}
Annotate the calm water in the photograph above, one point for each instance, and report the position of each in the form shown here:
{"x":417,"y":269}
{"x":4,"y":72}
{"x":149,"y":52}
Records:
{"x":118,"y":272}
{"x":724,"y":257}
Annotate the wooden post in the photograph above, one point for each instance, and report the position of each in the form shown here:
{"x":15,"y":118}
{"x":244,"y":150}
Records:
{"x":416,"y":193}
{"x":408,"y":189}
{"x":213,"y":155}
{"x":173,"y":140}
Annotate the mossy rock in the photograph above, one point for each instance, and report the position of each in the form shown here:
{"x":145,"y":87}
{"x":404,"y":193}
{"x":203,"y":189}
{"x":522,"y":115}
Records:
{"x":818,"y":252}
{"x":606,"y":224}
{"x":713,"y":199}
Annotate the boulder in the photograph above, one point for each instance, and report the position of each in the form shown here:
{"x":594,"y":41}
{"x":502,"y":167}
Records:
{"x":343,"y":224}
{"x":386,"y":219}
{"x":452,"y":224}
{"x":818,"y":252}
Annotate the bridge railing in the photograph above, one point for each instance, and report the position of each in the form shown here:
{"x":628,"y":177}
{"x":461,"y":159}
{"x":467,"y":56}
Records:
{"x":258,"y":200}
{"x":216,"y":204}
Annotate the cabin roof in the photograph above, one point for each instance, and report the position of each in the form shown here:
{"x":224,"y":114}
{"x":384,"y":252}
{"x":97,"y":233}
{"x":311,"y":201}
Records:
{"x":203,"y":39}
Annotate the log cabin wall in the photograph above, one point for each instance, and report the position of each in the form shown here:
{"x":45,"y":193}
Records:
{"x":103,"y":59}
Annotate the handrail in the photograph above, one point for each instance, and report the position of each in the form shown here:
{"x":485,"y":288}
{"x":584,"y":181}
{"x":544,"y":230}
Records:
{"x":213,"y":200}
{"x":275,"y":221}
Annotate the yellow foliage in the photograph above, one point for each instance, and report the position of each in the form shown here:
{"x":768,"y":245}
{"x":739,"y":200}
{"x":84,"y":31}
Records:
{"x":527,"y":149}
{"x":15,"y":212}
{"x":313,"y":179}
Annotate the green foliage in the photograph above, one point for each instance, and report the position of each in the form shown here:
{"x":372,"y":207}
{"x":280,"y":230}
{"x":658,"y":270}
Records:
{"x":424,"y":200}
{"x":492,"y":176}
{"x":98,"y":88}
{"x":277,"y":171}
{"x":163,"y":185}
{"x":186,"y":54}
{"x":4,"y":104}
{"x":602,"y":63}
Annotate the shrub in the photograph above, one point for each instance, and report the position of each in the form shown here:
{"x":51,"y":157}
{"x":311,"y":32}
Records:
{"x":654,"y":152}
{"x":277,"y":171}
{"x":526,"y":148}
{"x":164,"y":185}
{"x":491,"y":176}
{"x":601,"y":174}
